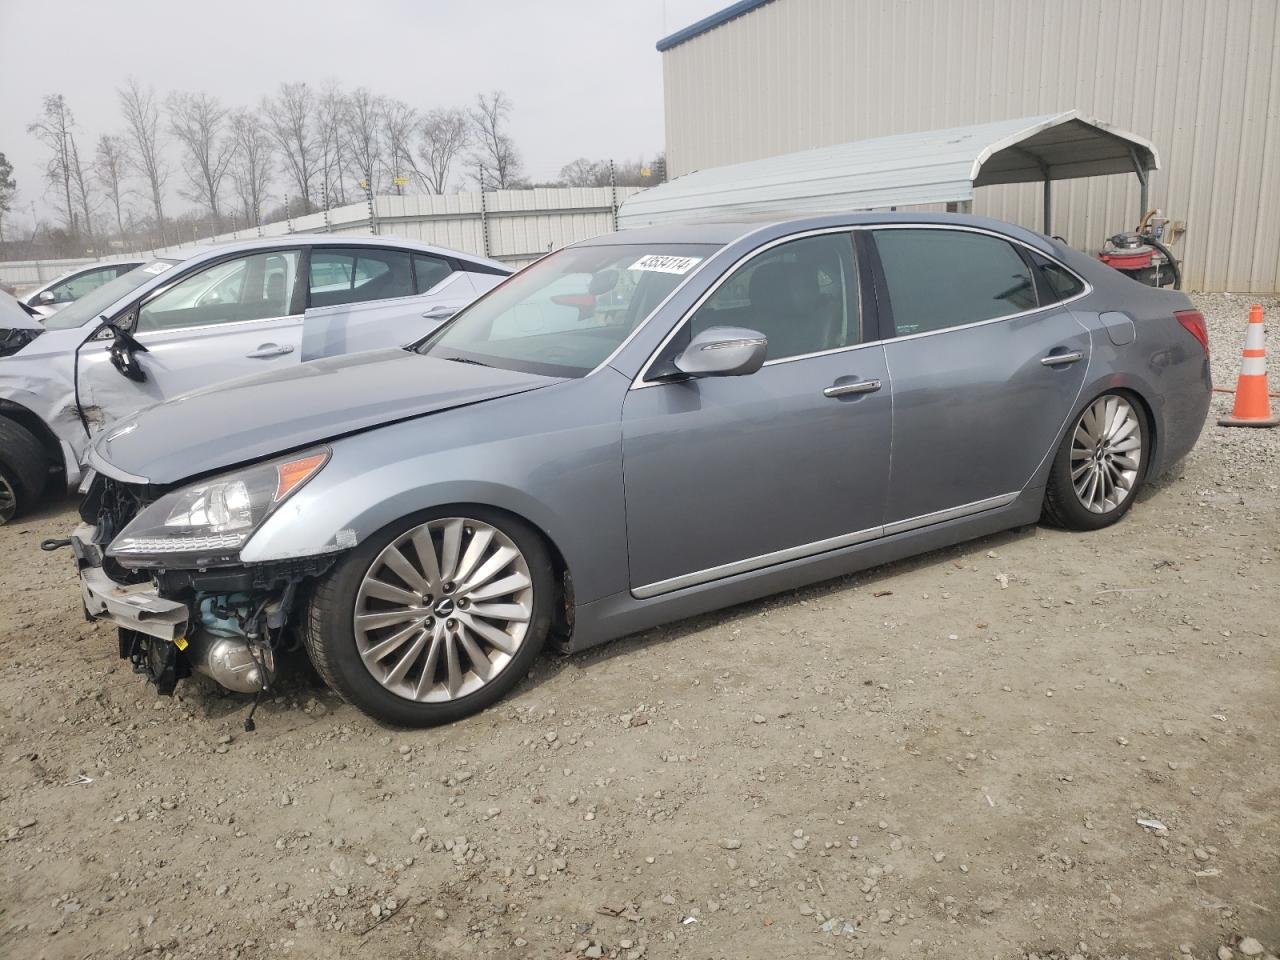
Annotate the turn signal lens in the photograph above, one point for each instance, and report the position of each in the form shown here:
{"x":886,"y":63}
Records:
{"x":1194,"y":323}
{"x":293,"y":473}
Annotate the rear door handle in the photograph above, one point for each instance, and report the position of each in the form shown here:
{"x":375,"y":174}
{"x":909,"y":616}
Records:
{"x":1053,"y":359}
{"x":439,"y":313}
{"x":270,"y":350}
{"x":845,"y":389}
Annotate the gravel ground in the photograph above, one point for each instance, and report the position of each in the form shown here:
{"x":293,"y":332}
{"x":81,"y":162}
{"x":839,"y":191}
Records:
{"x":1039,"y":744}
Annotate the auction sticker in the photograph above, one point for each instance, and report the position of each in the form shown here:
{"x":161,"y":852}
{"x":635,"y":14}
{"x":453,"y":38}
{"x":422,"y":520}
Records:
{"x":158,"y":267}
{"x":660,"y":263}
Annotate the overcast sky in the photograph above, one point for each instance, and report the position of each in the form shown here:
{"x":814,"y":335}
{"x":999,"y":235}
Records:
{"x":583,"y":75}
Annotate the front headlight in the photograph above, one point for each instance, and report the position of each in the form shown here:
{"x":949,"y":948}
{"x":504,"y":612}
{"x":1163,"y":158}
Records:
{"x":208,"y":522}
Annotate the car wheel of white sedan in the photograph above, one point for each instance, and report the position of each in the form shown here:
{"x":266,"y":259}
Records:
{"x":435,"y":617}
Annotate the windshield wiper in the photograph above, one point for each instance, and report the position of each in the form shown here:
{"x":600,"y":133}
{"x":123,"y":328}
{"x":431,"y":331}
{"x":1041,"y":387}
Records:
{"x":478,"y":363}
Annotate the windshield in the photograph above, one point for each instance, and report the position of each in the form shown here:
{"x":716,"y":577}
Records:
{"x":565,"y":314}
{"x":92,"y":304}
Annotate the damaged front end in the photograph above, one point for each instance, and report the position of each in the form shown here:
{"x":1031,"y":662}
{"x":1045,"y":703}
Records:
{"x":178,"y":611}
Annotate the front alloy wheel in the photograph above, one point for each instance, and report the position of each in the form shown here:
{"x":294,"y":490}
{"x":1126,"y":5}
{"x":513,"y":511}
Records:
{"x":1099,"y":466}
{"x":443,"y":615}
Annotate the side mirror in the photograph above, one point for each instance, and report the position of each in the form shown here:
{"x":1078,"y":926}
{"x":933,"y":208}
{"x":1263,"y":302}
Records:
{"x":45,"y":298}
{"x":723,"y":352}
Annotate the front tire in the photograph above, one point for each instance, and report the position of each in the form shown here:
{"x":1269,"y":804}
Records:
{"x":1100,"y":464}
{"x":24,"y":468}
{"x":435,"y":617}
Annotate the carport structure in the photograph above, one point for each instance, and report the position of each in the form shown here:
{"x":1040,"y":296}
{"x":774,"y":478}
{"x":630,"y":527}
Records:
{"x":910,"y":169}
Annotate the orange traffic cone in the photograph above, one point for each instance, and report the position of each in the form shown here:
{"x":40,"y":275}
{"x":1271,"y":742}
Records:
{"x":1253,"y":405}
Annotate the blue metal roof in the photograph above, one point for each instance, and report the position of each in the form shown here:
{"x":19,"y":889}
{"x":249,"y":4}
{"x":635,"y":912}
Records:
{"x":731,"y":12}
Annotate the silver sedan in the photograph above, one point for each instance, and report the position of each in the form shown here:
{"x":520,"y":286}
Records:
{"x":641,"y":427}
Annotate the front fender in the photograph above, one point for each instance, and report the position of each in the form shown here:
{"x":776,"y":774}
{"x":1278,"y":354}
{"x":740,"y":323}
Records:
{"x":566,"y":481}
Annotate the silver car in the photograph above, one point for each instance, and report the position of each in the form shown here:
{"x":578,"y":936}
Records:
{"x":47,"y":299}
{"x":641,"y":427}
{"x":182,"y":322}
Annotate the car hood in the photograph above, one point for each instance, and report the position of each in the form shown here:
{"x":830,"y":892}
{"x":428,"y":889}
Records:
{"x":245,"y":420}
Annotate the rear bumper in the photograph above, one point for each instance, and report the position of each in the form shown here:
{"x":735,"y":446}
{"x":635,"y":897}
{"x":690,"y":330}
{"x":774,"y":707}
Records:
{"x":138,"y":607}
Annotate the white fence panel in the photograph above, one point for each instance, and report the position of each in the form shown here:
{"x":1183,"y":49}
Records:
{"x":514,"y":226}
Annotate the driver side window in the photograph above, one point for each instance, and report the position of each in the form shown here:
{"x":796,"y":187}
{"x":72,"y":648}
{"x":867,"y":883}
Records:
{"x":255,"y":287}
{"x":802,"y":295}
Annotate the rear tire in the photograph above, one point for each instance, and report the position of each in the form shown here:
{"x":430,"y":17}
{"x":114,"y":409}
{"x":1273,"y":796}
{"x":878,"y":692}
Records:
{"x":24,"y":468}
{"x":417,"y":640}
{"x":1100,"y":464}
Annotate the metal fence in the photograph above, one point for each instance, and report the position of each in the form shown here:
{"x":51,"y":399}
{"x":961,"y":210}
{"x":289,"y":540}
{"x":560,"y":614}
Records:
{"x":514,"y":226}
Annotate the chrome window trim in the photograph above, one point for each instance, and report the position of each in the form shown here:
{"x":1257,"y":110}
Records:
{"x":639,"y":383}
{"x":220,"y":326}
{"x":807,"y":550}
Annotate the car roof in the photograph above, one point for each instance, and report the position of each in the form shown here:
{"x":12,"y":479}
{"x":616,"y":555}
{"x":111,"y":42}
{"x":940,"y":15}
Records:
{"x":729,"y":231}
{"x":200,"y":251}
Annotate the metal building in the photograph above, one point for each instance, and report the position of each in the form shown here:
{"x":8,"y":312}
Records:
{"x":1200,"y":79}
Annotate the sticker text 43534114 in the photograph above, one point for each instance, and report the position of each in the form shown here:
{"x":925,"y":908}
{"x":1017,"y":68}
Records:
{"x":661,"y":263}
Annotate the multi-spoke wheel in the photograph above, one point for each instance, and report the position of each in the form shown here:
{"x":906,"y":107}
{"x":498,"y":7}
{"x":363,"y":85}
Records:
{"x":434,"y":618}
{"x":1099,"y":466}
{"x":8,"y":499}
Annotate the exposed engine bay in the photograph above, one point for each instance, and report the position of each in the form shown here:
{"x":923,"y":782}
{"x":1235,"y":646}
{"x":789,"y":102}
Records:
{"x":230,"y":623}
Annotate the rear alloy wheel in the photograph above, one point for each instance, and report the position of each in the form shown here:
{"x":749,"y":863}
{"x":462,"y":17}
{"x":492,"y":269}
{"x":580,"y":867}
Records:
{"x":435,"y":618}
{"x":1100,"y":465}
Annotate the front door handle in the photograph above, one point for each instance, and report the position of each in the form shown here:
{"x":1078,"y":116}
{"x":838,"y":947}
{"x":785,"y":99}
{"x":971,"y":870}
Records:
{"x":439,"y":313}
{"x":1053,"y":359}
{"x":845,"y":389}
{"x":267,"y":350}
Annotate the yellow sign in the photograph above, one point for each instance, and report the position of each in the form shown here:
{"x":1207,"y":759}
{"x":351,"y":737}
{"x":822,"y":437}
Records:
{"x":645,"y":171}
{"x":399,"y":181}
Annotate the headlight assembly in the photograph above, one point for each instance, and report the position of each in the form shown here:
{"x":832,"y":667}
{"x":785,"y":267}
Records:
{"x":207,"y":523}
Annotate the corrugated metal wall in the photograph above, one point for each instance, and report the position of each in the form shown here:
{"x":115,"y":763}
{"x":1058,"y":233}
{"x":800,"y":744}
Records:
{"x":1200,"y":78}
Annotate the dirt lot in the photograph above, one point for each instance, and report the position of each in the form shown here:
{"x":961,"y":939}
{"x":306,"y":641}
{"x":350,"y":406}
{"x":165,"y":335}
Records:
{"x":948,"y":757}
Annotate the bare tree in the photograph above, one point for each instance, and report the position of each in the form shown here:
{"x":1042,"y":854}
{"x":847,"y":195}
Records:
{"x":80,"y":189}
{"x":198,"y":121}
{"x":585,"y":173}
{"x":445,"y":133}
{"x":399,"y":120}
{"x":331,"y":144}
{"x":363,"y":136}
{"x":251,"y":168}
{"x":110,"y":169}
{"x":289,"y":117}
{"x":53,"y":129}
{"x":497,"y":160}
{"x":143,"y":119}
{"x":8,"y":188}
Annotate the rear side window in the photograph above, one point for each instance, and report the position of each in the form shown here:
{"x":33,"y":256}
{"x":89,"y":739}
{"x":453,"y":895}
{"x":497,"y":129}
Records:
{"x":946,"y":278}
{"x":1061,"y":283}
{"x":357,"y":275}
{"x":429,"y":270}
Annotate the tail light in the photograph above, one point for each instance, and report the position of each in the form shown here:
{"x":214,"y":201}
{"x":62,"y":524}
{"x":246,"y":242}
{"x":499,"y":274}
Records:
{"x":1193,"y":322}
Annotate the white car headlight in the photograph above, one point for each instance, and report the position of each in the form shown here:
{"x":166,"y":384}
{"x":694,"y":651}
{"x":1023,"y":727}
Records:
{"x":208,"y":522}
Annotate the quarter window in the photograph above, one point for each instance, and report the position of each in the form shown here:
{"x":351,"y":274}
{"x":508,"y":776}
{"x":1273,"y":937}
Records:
{"x":256,"y":287}
{"x":428,"y":271}
{"x":1062,"y":283}
{"x":945,"y":278}
{"x":802,"y":295}
{"x":359,"y":274}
